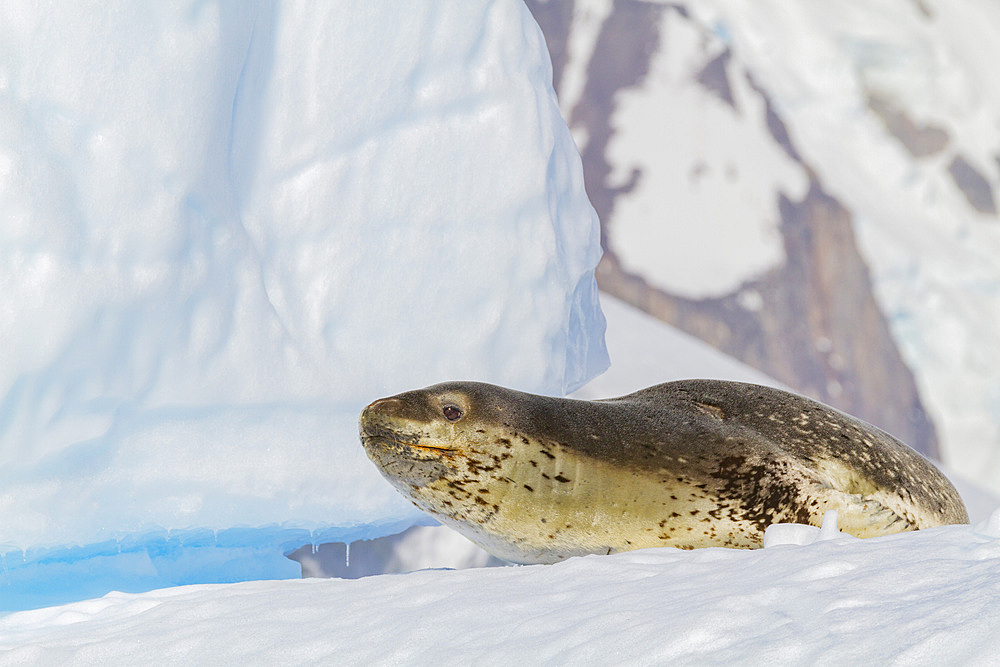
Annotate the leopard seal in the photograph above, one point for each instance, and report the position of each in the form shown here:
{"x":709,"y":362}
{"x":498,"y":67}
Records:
{"x":688,"y":464}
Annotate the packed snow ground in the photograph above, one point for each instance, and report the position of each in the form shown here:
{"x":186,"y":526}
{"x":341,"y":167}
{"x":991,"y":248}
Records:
{"x":924,"y":598}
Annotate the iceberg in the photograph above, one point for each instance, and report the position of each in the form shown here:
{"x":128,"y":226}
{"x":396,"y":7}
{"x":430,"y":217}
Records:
{"x":225,"y":227}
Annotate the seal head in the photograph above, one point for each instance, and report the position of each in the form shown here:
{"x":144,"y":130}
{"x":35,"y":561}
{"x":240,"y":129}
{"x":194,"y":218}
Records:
{"x":695,"y":463}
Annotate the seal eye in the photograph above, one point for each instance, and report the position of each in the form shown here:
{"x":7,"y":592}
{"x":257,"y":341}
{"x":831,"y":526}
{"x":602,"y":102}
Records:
{"x":451,"y":413}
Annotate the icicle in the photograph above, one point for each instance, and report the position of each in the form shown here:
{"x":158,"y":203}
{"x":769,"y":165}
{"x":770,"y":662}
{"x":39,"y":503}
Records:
{"x":347,"y":554}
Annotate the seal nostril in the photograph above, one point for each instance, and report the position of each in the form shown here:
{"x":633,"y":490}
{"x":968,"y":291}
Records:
{"x":388,"y":405}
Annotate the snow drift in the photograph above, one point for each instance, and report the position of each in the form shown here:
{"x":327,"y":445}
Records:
{"x":924,"y":598}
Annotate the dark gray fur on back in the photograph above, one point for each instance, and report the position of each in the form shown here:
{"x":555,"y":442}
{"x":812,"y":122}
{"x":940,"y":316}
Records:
{"x":729,"y":436}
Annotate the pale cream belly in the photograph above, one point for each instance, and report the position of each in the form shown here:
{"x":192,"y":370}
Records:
{"x":545,"y":508}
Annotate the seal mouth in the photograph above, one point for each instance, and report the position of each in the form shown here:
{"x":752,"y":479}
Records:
{"x":433,"y":448}
{"x":405,"y":443}
{"x":381,"y":435}
{"x":402,"y":447}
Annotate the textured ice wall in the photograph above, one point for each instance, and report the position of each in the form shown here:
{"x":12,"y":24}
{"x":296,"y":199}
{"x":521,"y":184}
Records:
{"x":225,"y":227}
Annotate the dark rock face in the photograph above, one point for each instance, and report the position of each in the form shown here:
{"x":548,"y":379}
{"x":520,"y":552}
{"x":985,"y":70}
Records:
{"x":974,"y":186}
{"x":926,"y":140}
{"x":919,"y":140}
{"x":812,"y":323}
{"x":775,"y":125}
{"x":714,"y":76}
{"x":393,"y":554}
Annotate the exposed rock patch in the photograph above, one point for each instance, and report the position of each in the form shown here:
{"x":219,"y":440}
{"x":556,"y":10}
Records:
{"x":919,"y":140}
{"x":714,"y":76}
{"x":974,"y":186}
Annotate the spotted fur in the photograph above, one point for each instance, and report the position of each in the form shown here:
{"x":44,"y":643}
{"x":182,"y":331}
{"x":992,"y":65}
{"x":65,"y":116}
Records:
{"x":688,"y":464}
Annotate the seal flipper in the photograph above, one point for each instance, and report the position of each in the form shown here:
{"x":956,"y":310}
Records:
{"x":862,"y":516}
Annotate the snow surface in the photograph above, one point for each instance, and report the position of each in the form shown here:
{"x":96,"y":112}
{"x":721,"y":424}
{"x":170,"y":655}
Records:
{"x":923,"y":598}
{"x":685,"y":227}
{"x":645,"y":351}
{"x":225,"y":227}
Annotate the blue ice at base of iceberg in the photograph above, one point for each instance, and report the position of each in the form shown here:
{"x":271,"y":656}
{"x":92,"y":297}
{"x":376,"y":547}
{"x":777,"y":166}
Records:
{"x":143,"y":562}
{"x":63,"y":575}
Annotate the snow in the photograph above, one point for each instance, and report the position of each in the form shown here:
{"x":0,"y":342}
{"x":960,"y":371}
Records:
{"x":914,"y":598}
{"x":801,"y":535}
{"x":700,"y":163}
{"x":224,"y":229}
{"x":644,"y":351}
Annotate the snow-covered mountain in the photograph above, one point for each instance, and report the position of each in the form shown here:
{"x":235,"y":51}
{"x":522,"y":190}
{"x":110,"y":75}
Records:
{"x":810,"y":187}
